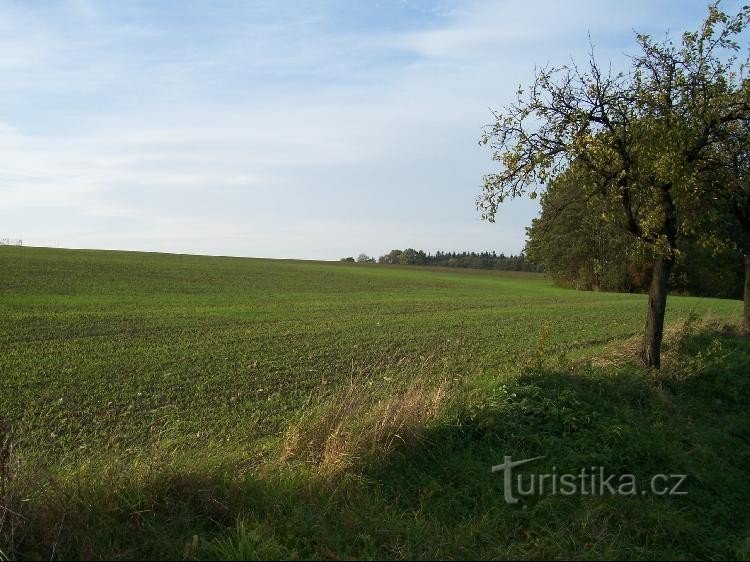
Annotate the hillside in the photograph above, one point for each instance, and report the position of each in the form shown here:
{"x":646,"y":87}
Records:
{"x":174,"y":405}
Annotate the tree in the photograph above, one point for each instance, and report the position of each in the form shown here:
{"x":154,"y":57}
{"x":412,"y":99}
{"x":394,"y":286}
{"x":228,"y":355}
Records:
{"x":579,"y":248}
{"x":736,"y":192}
{"x":408,"y":257}
{"x":726,"y":179}
{"x":392,"y":257}
{"x":638,"y":136}
{"x":576,"y":245}
{"x":363,"y":258}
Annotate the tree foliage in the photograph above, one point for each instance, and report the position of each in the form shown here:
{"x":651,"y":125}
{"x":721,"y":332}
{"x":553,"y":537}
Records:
{"x":641,"y":137}
{"x":579,"y":248}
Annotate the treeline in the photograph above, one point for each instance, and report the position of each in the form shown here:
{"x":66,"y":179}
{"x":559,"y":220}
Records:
{"x":473,"y":260}
{"x":582,"y":244}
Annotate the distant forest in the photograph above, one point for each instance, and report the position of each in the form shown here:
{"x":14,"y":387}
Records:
{"x":473,"y":260}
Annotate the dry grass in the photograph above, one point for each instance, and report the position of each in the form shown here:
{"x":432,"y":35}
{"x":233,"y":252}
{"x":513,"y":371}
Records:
{"x":355,"y":423}
{"x":10,"y":518}
{"x":619,"y":352}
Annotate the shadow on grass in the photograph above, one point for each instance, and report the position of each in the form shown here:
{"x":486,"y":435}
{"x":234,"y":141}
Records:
{"x":440,"y":499}
{"x":692,"y":419}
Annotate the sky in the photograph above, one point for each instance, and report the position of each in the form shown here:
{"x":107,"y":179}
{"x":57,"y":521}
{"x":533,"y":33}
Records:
{"x":311,"y":130}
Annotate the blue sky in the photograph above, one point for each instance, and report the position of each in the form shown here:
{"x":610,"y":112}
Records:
{"x":310,"y":130}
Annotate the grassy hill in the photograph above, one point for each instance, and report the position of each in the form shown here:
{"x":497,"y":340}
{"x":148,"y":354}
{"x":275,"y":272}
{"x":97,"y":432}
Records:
{"x":190,"y":406}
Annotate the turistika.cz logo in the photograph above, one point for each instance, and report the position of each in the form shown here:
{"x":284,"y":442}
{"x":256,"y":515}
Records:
{"x":590,"y":481}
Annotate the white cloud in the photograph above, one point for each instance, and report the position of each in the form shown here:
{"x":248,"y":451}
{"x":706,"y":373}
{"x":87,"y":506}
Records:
{"x":244,"y":132}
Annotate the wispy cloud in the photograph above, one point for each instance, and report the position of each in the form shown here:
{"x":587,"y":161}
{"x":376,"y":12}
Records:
{"x":307,"y":130}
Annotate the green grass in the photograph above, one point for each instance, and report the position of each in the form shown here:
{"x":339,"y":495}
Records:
{"x":150,"y":396}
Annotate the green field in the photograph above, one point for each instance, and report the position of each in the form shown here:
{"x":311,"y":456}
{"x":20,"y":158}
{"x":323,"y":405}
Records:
{"x":150,"y":397}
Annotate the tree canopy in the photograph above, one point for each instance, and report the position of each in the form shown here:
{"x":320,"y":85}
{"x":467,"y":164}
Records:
{"x":640,"y":138}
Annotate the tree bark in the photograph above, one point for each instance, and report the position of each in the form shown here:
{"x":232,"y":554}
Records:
{"x":657,"y":306}
{"x":746,"y":322}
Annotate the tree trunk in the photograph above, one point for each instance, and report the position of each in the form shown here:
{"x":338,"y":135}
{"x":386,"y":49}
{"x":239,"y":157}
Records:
{"x":746,"y":322}
{"x":657,"y":306}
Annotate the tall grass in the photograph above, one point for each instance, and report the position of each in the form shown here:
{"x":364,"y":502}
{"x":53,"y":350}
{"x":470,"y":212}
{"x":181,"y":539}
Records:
{"x":10,"y":518}
{"x":358,"y":424}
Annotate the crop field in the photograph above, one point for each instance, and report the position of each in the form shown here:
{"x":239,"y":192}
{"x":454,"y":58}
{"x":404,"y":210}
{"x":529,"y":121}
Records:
{"x":149,"y":400}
